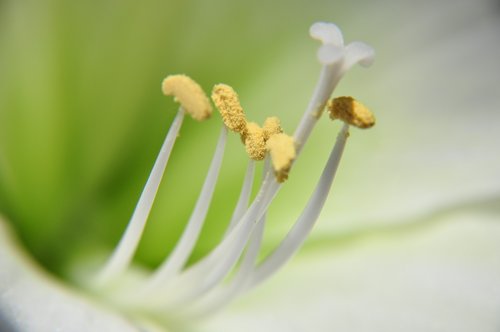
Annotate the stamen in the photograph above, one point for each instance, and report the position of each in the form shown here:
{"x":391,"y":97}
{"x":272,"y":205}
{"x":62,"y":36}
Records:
{"x":228,"y":103}
{"x":176,"y":260}
{"x":351,"y":111}
{"x":121,"y":257}
{"x":244,"y":198}
{"x":271,"y":127}
{"x":189,"y":94}
{"x":307,"y":219}
{"x":200,"y":286}
{"x":282,"y":150}
{"x":248,"y":276}
{"x":207,"y":273}
{"x":222,"y":294}
{"x":212,"y":269}
{"x":194,"y":101}
{"x":255,"y":143}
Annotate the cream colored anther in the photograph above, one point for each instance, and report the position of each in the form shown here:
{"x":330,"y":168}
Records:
{"x":271,"y":127}
{"x":189,"y":94}
{"x":351,"y":112}
{"x":228,"y":103}
{"x":255,"y":144}
{"x":282,"y":150}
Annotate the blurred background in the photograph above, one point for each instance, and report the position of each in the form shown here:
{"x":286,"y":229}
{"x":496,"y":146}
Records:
{"x":82,"y":116}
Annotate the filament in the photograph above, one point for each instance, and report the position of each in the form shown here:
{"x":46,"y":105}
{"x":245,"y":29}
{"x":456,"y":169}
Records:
{"x":124,"y":251}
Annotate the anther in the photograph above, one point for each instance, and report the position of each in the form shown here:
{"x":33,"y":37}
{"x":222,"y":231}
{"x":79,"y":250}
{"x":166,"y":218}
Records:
{"x":228,"y":103}
{"x":271,"y":127}
{"x":351,"y":112}
{"x":189,"y":94}
{"x":255,"y":143}
{"x":282,"y":150}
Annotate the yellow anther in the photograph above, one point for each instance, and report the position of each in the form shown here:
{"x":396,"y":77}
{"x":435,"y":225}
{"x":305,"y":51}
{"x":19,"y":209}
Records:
{"x":255,"y":144}
{"x":351,"y":111}
{"x":271,"y":127}
{"x":228,"y":103}
{"x":189,"y":94}
{"x":282,"y":150}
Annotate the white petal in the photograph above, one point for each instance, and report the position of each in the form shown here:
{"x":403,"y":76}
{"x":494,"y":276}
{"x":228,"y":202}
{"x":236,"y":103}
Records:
{"x":30,"y":300}
{"x":435,"y":141}
{"x":445,"y":277}
{"x":434,"y":91}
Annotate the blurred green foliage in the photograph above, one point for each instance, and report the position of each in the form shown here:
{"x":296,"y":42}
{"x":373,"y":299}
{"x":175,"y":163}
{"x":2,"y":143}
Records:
{"x":82,"y":116}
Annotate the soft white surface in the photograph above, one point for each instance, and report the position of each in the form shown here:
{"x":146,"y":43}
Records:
{"x":434,"y":88}
{"x":443,"y":277}
{"x":32,"y":301}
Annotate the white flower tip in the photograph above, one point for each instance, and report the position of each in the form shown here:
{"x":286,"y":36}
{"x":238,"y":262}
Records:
{"x":367,"y":62}
{"x":359,"y":52}
{"x":327,"y":33}
{"x":329,"y":54}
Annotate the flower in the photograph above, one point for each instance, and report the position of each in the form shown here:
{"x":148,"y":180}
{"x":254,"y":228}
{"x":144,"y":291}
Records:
{"x":453,"y":263}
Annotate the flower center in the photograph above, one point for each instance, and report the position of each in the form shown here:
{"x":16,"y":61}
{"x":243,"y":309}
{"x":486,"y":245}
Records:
{"x":204,"y":286}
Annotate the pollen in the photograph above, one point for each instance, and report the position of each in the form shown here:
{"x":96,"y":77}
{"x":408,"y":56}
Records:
{"x":189,"y":94}
{"x":351,"y":112}
{"x":228,"y":103}
{"x":282,"y":150}
{"x":255,"y":143}
{"x":272,"y":126}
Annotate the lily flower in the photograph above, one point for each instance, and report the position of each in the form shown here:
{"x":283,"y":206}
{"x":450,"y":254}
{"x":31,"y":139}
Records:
{"x":407,"y":241}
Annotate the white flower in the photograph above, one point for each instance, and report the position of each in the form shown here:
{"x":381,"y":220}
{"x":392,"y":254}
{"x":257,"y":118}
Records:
{"x":422,"y":252}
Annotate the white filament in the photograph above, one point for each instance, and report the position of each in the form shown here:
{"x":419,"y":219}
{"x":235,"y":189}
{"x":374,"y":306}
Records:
{"x":244,"y":198}
{"x":121,"y":257}
{"x":201,"y":277}
{"x":304,"y":224}
{"x":176,"y":260}
{"x":248,"y":276}
{"x":328,"y":79}
{"x":222,"y":294}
